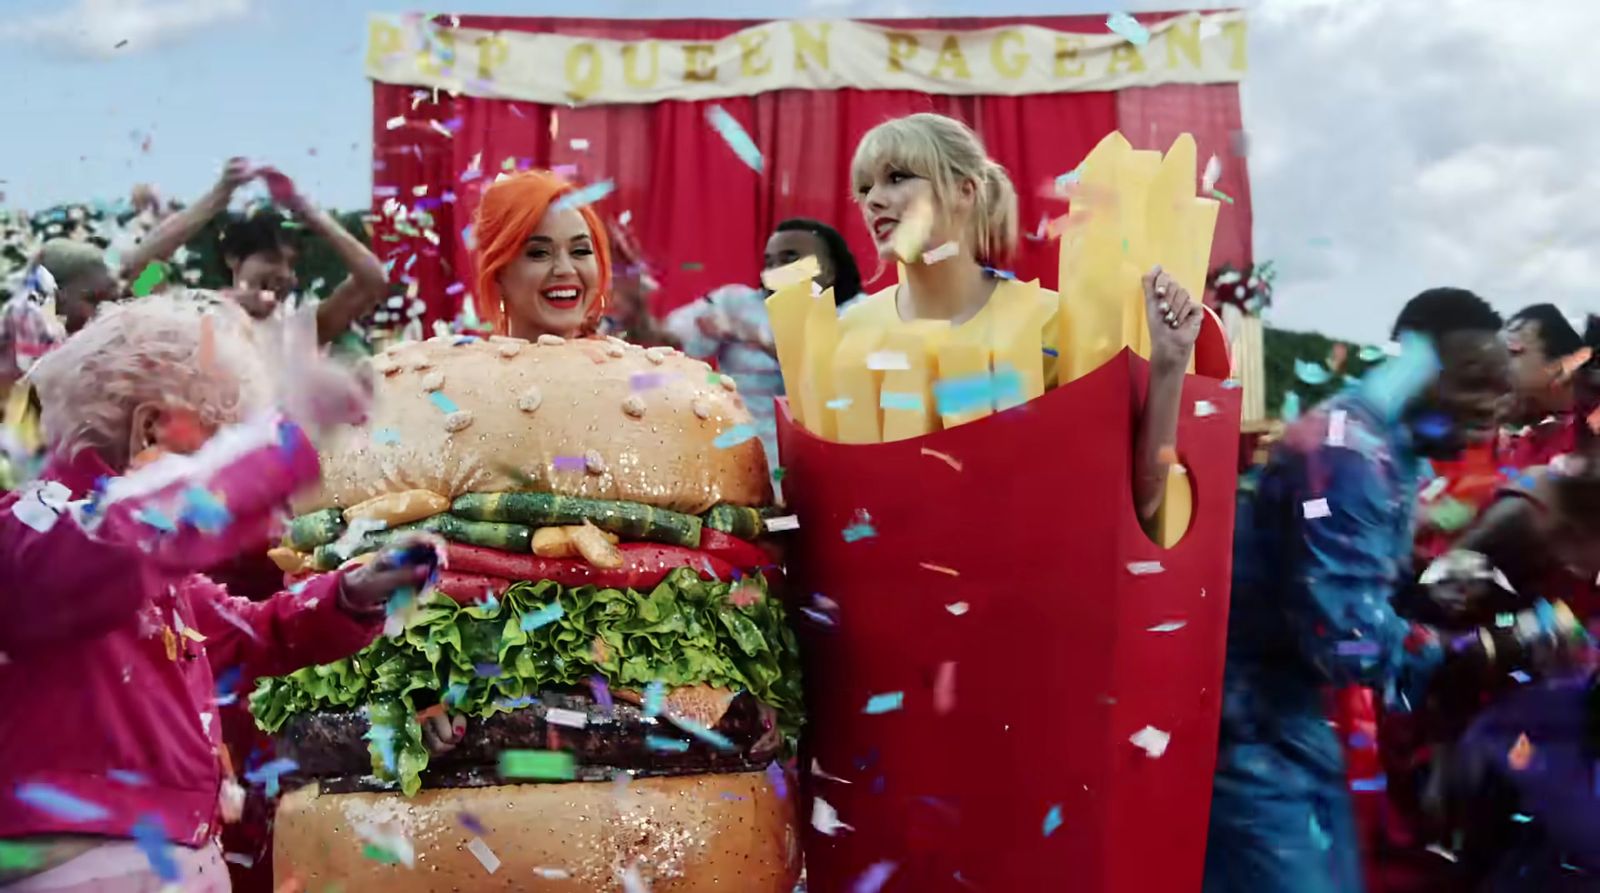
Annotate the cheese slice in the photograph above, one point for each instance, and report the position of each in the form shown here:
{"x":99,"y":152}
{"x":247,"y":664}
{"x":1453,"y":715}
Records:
{"x":1177,"y":508}
{"x":786,"y":314}
{"x":907,"y":394}
{"x":1015,"y":345}
{"x":816,"y":371}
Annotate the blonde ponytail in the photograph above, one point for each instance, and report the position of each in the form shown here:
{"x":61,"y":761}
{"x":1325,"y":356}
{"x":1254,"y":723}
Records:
{"x":994,"y":215}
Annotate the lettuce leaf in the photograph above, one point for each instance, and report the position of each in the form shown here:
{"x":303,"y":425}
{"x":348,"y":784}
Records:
{"x":685,"y":631}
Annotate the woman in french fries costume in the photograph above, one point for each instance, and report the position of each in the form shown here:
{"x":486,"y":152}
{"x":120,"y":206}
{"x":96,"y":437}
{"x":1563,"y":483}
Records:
{"x":1014,"y":509}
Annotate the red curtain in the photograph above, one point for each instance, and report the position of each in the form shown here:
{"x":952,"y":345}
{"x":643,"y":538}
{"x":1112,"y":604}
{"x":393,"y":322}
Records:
{"x":699,"y":214}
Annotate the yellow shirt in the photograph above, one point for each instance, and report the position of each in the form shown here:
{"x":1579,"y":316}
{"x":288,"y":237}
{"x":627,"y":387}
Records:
{"x":879,"y":310}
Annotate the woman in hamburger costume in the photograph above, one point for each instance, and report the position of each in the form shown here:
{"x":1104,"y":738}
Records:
{"x":627,"y":680}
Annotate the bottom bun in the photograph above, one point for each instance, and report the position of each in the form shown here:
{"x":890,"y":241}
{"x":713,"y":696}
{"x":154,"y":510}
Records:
{"x":686,"y":833}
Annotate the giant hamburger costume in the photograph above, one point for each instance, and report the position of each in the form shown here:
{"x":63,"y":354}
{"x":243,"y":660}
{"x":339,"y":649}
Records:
{"x":1010,"y":685}
{"x":608,"y":629}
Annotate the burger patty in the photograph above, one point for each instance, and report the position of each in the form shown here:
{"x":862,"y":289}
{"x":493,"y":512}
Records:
{"x":332,"y":747}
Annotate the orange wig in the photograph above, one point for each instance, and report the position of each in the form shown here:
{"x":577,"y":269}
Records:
{"x":508,"y":214}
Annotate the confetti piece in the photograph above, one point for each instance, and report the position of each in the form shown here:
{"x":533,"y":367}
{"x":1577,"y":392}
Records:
{"x":19,"y":856}
{"x":1213,"y":173}
{"x":873,"y":879}
{"x":825,"y":818}
{"x":1441,"y":852}
{"x":1144,"y":568}
{"x":898,"y":400}
{"x":397,"y":122}
{"x":946,"y":458}
{"x":386,"y":437}
{"x":58,"y":803}
{"x":735,"y":136}
{"x":1370,"y":785}
{"x":1151,"y":740}
{"x":709,"y":736}
{"x":972,"y":393}
{"x":153,"y":842}
{"x":546,"y":615}
{"x":734,"y":436}
{"x":839,"y":403}
{"x":816,"y":772}
{"x":560,"y":716}
{"x":1521,"y":754}
{"x":486,"y":670}
{"x":632,"y":881}
{"x":1356,"y":648}
{"x":1221,"y":196}
{"x":379,"y":855}
{"x":1311,"y":373}
{"x":645,"y":381}
{"x":666,"y":745}
{"x":552,"y":874}
{"x":944,"y":688}
{"x":269,"y":773}
{"x":943,"y":252}
{"x":777,"y":778}
{"x":957,"y":608}
{"x":601,"y":692}
{"x":546,"y":764}
{"x":1204,"y":408}
{"x":1521,"y":677}
{"x":486,"y":856}
{"x":153,"y":275}
{"x":1521,"y":818}
{"x":1319,"y":837}
{"x":860,"y":530}
{"x":939,"y":569}
{"x":888,"y":702}
{"x":654,"y":695}
{"x":128,"y":778}
{"x":568,"y":463}
{"x":783,"y":522}
{"x":203,"y":511}
{"x":1170,"y":626}
{"x":1129,"y":28}
{"x":445,"y":404}
{"x":1336,"y":427}
{"x":887,"y":361}
{"x":1052,"y":820}
{"x":1316,"y":508}
{"x":587,"y":195}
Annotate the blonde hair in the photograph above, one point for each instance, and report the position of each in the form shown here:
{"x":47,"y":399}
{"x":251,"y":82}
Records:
{"x":946,"y":153}
{"x":152,"y":350}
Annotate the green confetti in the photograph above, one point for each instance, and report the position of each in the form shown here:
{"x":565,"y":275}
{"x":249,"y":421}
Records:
{"x":19,"y":856}
{"x":1221,"y":196}
{"x":380,"y":855}
{"x":1451,"y":515}
{"x":545,"y":764}
{"x":153,"y":275}
{"x":777,"y":474}
{"x":692,"y":267}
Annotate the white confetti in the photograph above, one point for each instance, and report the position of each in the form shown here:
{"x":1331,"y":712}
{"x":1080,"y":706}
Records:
{"x":817,"y":772}
{"x":783,"y":522}
{"x":1203,"y":408}
{"x":1170,"y":626}
{"x":486,"y":856}
{"x":572,"y":719}
{"x":1316,"y":508}
{"x":1336,"y":423}
{"x":30,"y":511}
{"x":552,"y":874}
{"x":887,"y":361}
{"x":943,"y":252}
{"x":580,"y":145}
{"x":825,"y":818}
{"x":1435,"y":488}
{"x":397,"y":122}
{"x":1151,"y":740}
{"x":1213,"y":173}
{"x":1144,"y":568}
{"x":957,"y":608}
{"x":632,"y":881}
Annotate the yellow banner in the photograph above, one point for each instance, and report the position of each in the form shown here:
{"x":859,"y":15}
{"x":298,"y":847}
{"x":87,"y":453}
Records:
{"x":802,"y":55}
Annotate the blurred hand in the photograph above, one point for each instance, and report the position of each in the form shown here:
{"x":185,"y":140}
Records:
{"x":772,"y":738}
{"x":328,"y":394}
{"x":235,"y":173}
{"x":441,"y":733}
{"x":713,"y":325}
{"x":284,"y":192}
{"x":365,"y":591}
{"x":1173,"y":316}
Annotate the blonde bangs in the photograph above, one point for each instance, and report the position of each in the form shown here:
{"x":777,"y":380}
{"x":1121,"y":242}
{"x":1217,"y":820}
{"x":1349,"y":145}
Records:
{"x":900,"y":145}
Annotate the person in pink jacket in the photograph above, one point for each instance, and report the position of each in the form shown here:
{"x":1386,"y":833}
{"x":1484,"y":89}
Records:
{"x":110,"y":765}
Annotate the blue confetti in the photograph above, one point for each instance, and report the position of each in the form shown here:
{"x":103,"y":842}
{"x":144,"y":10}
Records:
{"x":585,"y":196}
{"x":466,"y":238}
{"x":1311,"y":373}
{"x":1356,"y":648}
{"x":152,"y":839}
{"x":204,"y":511}
{"x":898,"y":400}
{"x":127,"y":777}
{"x":733,"y":436}
{"x":888,"y":702}
{"x":569,"y":463}
{"x":1051,"y":352}
{"x":60,"y":804}
{"x":735,"y":136}
{"x":515,"y":703}
{"x":1521,"y":677}
{"x":155,"y":518}
{"x":544,"y":616}
{"x":444,"y":403}
{"x":1319,"y":837}
{"x":486,"y":670}
{"x":654,"y":695}
{"x":713,"y":738}
{"x":454,"y":694}
{"x":1521,"y":818}
{"x":1378,"y":782}
{"x":666,"y":745}
{"x":1128,"y":27}
{"x":860,"y":530}
{"x":1067,"y":180}
{"x":1391,"y":386}
{"x":873,"y":879}
{"x":971,"y":393}
{"x":471,"y":823}
{"x":269,"y":774}
{"x":1052,"y":820}
{"x":601,"y":693}
{"x":382,"y":737}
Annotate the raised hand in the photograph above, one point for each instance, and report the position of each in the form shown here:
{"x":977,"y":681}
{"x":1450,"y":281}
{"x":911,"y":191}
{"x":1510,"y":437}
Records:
{"x":1174,"y":318}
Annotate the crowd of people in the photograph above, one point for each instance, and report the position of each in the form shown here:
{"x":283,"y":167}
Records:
{"x":1463,"y":634}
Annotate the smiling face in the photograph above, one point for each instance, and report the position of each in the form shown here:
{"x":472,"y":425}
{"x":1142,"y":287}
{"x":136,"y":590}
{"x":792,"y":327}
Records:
{"x":895,"y":201}
{"x":551,"y":287}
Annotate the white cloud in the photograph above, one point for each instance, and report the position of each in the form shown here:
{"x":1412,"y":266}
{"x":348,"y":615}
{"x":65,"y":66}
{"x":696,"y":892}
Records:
{"x":95,"y":27}
{"x":1430,"y":142}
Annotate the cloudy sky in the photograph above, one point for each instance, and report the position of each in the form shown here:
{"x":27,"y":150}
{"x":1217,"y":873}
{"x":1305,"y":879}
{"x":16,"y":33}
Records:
{"x":1394,"y":144}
